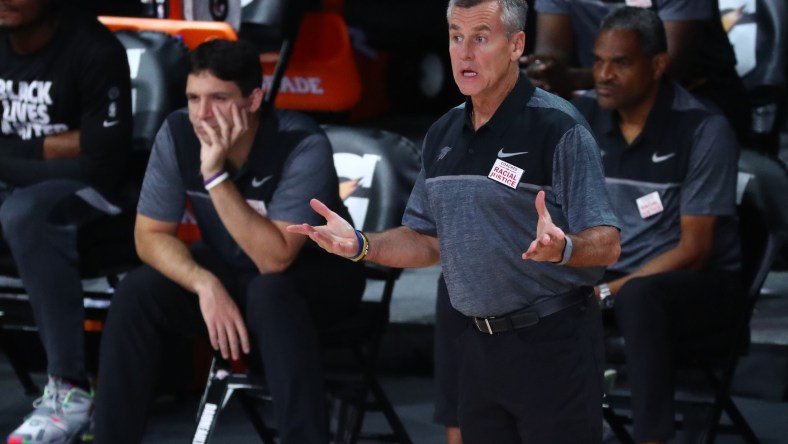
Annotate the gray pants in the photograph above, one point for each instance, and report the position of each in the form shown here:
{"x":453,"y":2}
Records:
{"x":40,"y":228}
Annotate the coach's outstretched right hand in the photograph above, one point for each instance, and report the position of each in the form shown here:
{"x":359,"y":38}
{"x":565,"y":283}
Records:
{"x":337,"y":236}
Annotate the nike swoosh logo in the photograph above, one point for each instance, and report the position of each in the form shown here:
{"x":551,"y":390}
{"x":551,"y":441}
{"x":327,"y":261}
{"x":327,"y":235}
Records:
{"x":258,"y":183}
{"x":657,"y":159}
{"x":109,"y":123}
{"x":503,"y":155}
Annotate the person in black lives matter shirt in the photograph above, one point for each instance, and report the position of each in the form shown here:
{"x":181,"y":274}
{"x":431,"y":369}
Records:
{"x":65,"y":96}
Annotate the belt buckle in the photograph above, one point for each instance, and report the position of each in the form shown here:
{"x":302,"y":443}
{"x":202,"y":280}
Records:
{"x":485,"y":324}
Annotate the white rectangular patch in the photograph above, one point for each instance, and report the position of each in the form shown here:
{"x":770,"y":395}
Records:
{"x":741,"y":184}
{"x":258,"y":205}
{"x":649,"y":205}
{"x":639,"y":3}
{"x":506,"y":173}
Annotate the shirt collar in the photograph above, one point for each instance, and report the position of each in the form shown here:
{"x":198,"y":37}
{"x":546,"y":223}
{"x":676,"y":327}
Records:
{"x":265,"y":135}
{"x":516,"y":100}
{"x":656,"y":117}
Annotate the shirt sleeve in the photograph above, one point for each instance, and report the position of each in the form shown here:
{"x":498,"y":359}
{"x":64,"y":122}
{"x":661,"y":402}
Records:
{"x":579,"y":181}
{"x":560,"y":7}
{"x":163,"y":195}
{"x":710,"y":185}
{"x":418,"y":215}
{"x":105,"y":85}
{"x":308,"y":173}
{"x":685,"y":10}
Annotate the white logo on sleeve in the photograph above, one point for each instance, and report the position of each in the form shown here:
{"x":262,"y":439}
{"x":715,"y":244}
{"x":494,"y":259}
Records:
{"x":657,"y":158}
{"x":110,"y":123}
{"x":503,"y":155}
{"x":258,"y":183}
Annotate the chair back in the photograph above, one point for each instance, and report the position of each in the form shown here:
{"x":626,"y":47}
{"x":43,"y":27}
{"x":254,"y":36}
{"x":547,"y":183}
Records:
{"x":384,"y":165}
{"x":159,"y":65}
{"x":377,"y":170}
{"x":760,"y":246}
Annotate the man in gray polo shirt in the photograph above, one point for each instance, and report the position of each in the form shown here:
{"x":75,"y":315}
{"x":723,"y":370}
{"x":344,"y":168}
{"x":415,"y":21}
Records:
{"x":511,"y":200}
{"x":250,"y":285}
{"x":670,"y":168}
{"x":701,"y":57}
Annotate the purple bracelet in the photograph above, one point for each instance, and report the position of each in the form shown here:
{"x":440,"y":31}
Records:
{"x":214,"y":177}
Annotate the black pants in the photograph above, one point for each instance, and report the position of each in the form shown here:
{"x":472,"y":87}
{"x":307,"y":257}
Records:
{"x":655,"y":314}
{"x":282,"y":312}
{"x":450,"y":324}
{"x":535,"y":385}
{"x":40,"y":226}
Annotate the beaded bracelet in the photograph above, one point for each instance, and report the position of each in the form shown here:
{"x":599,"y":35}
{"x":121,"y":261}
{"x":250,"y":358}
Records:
{"x":363,"y":247}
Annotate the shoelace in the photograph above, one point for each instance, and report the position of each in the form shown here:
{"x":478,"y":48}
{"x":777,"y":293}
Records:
{"x":49,"y":398}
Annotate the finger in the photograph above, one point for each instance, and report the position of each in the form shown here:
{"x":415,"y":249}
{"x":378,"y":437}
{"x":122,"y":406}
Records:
{"x":224,"y":126}
{"x":232,"y":341}
{"x":238,"y":124}
{"x":244,"y":118}
{"x":541,"y":207}
{"x":323,"y":210}
{"x":304,"y":229}
{"x":546,"y":240}
{"x":213,"y":337}
{"x":204,"y":139}
{"x":221,"y":337}
{"x":530,"y":251}
{"x":240,"y":327}
{"x":210,"y":132}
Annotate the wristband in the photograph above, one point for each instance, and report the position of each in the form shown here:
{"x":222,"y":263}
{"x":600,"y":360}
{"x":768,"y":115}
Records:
{"x":604,"y":291}
{"x":363,"y":247}
{"x":567,"y":251}
{"x":215,"y":180}
{"x":605,"y":299}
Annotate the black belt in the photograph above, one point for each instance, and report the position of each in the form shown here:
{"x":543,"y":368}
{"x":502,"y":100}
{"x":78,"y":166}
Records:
{"x":530,"y":316}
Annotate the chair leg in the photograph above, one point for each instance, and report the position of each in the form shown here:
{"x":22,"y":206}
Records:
{"x":613,"y":420}
{"x":739,"y":421}
{"x":254,"y":416}
{"x":388,"y":411}
{"x":211,"y":405}
{"x":348,"y":422}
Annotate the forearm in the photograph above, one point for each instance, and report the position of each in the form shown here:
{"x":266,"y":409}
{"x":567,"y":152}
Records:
{"x":258,"y":236}
{"x":691,"y":252}
{"x":60,"y":146}
{"x":171,"y":257}
{"x":23,"y":172}
{"x":594,"y":247}
{"x":402,"y":248}
{"x":672,"y":260}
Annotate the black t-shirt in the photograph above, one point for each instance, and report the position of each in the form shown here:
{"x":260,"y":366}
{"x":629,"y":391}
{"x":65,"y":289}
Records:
{"x":78,"y":81}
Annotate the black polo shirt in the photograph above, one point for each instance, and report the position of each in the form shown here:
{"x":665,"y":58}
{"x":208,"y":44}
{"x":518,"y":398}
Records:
{"x":688,"y":156}
{"x":483,"y":225}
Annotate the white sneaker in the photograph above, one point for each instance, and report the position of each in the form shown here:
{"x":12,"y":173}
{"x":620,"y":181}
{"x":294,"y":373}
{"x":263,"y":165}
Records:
{"x":60,"y":416}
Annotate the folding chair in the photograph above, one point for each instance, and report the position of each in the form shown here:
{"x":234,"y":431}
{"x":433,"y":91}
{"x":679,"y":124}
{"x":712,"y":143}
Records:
{"x":383,"y":167}
{"x":712,"y":361}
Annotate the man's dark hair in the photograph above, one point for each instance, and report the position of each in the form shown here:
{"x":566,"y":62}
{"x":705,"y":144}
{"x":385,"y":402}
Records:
{"x":513,"y":12}
{"x":646,"y":25}
{"x":237,"y":62}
